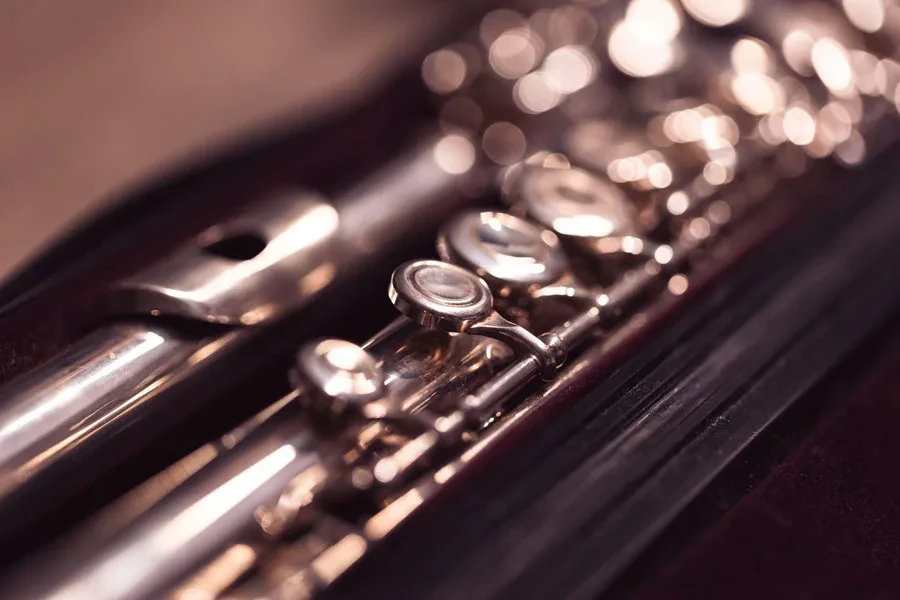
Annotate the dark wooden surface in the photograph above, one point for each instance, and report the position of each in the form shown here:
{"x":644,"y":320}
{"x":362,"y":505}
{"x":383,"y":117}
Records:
{"x":820,"y":518}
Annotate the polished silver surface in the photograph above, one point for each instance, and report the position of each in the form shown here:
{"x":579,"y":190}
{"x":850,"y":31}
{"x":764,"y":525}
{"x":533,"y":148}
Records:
{"x":499,"y":244}
{"x":198,"y":523}
{"x":75,"y":401}
{"x":512,"y":255}
{"x":446,"y":297}
{"x":426,"y":368}
{"x":698,"y":148}
{"x":439,"y":295}
{"x":519,"y":260}
{"x":338,"y":376}
{"x":118,"y":388}
{"x":575,"y":203}
{"x":255,"y":267}
{"x":194,"y":524}
{"x":583,"y":207}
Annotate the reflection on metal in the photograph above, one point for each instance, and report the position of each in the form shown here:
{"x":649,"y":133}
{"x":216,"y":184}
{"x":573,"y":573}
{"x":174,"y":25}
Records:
{"x":191,"y":527}
{"x":256,"y":483}
{"x":643,"y":44}
{"x":296,"y":236}
{"x":573,"y":202}
{"x":511,"y":254}
{"x":121,"y":382}
{"x":340,"y":378}
{"x":455,"y":154}
{"x":69,"y":404}
{"x":716,"y":13}
{"x":627,"y":141}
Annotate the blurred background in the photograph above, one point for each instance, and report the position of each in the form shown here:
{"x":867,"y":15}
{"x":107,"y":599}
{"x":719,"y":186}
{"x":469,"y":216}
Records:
{"x":100,"y":97}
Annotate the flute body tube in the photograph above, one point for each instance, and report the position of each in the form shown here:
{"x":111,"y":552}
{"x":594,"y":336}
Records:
{"x":220,"y":506}
{"x":86,"y":410}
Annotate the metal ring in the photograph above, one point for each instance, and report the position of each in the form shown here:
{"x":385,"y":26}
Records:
{"x":439,"y":295}
{"x":510,"y":253}
{"x":575,"y":203}
{"x":339,"y":375}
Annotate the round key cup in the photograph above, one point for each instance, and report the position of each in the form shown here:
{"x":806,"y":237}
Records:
{"x":442,"y":296}
{"x":515,"y":257}
{"x":339,"y":378}
{"x":581,"y":206}
{"x":342,"y":381}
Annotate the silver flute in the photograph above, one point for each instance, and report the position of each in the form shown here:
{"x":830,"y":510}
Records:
{"x":636,"y":153}
{"x":120,"y":386}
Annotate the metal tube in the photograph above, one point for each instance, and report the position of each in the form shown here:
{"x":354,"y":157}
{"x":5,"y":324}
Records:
{"x":195,"y":523}
{"x":138,"y":549}
{"x":83,"y":385}
{"x":116,"y":389}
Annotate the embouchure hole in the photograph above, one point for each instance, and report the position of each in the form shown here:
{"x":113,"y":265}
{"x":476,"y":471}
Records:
{"x":240,"y":246}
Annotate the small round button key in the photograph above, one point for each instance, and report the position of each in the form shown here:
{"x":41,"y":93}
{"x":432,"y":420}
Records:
{"x":585,"y":208}
{"x":511,"y":254}
{"x":516,"y":258}
{"x":576,"y":203}
{"x":446,"y":297}
{"x":439,"y":295}
{"x":339,"y":377}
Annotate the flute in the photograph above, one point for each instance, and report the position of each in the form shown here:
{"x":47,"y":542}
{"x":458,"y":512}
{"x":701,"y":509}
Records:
{"x":122,"y":385}
{"x":516,"y":297}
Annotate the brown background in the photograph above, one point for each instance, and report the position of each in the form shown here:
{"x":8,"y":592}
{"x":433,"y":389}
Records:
{"x":100,"y":96}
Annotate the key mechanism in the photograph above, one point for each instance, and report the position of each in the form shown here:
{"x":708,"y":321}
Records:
{"x":584,"y":208}
{"x":342,"y":382}
{"x":442,"y":296}
{"x":339,"y":378}
{"x":515,"y":257}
